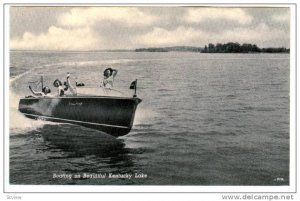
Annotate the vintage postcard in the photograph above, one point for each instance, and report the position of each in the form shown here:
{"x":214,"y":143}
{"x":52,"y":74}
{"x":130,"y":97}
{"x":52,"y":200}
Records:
{"x":150,"y":98}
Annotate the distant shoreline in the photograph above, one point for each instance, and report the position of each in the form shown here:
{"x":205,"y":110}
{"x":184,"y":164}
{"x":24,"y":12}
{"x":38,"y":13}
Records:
{"x":133,"y":51}
{"x":230,"y":47}
{"x":226,"y":48}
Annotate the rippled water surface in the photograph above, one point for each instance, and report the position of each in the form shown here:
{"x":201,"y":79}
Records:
{"x":205,"y":119}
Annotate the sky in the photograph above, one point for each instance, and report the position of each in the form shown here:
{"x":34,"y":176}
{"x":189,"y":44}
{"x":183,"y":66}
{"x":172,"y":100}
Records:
{"x":102,"y":28}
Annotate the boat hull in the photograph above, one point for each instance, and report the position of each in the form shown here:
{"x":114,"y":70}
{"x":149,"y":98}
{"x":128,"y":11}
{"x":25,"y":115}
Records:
{"x":113,"y":115}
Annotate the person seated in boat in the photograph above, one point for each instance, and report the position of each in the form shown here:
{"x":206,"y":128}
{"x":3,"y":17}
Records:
{"x":45,"y":92}
{"x":69,"y":88}
{"x":60,"y":90}
{"x":109,"y":76}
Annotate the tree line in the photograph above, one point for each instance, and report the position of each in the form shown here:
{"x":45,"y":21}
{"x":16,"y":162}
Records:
{"x":238,"y":48}
{"x":231,"y":47}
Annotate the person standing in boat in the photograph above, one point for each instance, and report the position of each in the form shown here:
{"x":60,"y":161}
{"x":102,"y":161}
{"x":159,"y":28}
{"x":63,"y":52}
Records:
{"x":109,"y":76}
{"x":45,"y":92}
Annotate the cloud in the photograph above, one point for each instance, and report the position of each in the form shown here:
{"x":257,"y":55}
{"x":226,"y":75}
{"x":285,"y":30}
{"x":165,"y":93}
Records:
{"x":199,"y":37}
{"x":92,"y":28}
{"x":281,"y":18}
{"x":57,"y":39}
{"x":160,"y":36}
{"x":75,"y":30}
{"x":258,"y":35}
{"x":198,"y":15}
{"x":78,"y":17}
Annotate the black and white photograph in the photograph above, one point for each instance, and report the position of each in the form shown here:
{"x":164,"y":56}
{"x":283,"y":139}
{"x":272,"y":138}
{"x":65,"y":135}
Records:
{"x":183,"y":95}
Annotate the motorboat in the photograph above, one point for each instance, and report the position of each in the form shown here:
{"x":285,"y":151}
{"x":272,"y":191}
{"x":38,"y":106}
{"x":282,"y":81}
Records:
{"x":107,"y":112}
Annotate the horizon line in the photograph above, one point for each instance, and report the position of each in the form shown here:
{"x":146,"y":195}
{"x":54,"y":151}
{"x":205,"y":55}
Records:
{"x":126,"y":50}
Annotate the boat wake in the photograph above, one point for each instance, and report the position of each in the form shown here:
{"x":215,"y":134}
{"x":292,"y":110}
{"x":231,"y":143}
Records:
{"x":18,"y":123}
{"x":144,"y":116}
{"x":14,"y":79}
{"x":95,"y":63}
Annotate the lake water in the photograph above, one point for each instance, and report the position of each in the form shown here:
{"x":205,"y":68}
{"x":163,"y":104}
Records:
{"x":205,"y":119}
